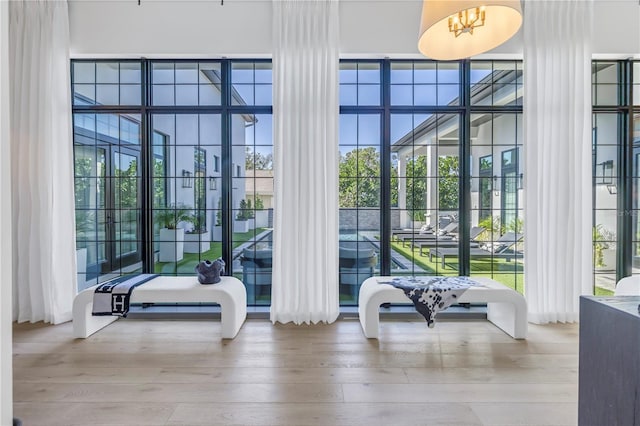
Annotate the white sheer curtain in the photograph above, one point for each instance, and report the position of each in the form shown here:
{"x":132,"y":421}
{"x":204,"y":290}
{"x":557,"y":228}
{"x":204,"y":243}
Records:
{"x":44,"y":265}
{"x":557,"y":132}
{"x":6,"y":361}
{"x":305,"y":115}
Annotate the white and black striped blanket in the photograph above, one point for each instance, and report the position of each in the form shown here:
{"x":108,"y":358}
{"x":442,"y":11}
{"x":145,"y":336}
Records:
{"x":432,"y":294}
{"x":112,"y":297}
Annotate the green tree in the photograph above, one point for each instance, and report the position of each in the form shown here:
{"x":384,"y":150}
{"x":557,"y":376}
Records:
{"x":493,"y":228}
{"x":127,"y":186}
{"x":250,"y":212}
{"x":159,"y":198}
{"x":243,"y":210}
{"x":359,"y":173}
{"x":364,"y":192}
{"x":219,"y":213}
{"x":516,"y":225}
{"x":85,"y":219}
{"x":417,"y":187}
{"x":83,"y":170}
{"x":448,"y":172}
{"x":394,"y":186}
{"x":257,"y":160}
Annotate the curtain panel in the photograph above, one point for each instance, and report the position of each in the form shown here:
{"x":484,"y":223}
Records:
{"x":6,"y":253}
{"x":44,"y":261}
{"x":305,"y":115}
{"x":557,"y":133}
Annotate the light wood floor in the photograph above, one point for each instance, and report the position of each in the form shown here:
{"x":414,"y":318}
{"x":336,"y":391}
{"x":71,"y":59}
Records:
{"x":146,"y":372}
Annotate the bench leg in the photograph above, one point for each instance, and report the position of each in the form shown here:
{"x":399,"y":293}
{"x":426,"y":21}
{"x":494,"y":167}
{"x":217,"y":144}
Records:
{"x":370,"y":318}
{"x":85,"y":324}
{"x":232,"y":316}
{"x":509,"y":317}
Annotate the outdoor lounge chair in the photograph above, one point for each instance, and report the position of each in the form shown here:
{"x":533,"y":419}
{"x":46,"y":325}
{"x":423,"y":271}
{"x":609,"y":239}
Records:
{"x":440,"y":244}
{"x":447,"y":241}
{"x":406,"y":241}
{"x":447,"y":233}
{"x":399,"y":234}
{"x":501,"y":250}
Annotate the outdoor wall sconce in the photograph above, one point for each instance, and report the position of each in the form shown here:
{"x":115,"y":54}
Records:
{"x":187,"y":179}
{"x":606,"y":174}
{"x":520,"y":183}
{"x":213,"y":184}
{"x":496,"y":188}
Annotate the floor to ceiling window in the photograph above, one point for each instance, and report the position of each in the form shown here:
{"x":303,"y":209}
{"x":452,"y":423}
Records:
{"x":360,"y":178}
{"x":414,"y":136}
{"x":634,"y":186}
{"x":616,"y":159}
{"x":173,"y":165}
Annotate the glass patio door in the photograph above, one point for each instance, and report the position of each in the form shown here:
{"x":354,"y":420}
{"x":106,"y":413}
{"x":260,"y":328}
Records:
{"x":122,"y":215}
{"x":509,"y":187}
{"x":107,"y":193}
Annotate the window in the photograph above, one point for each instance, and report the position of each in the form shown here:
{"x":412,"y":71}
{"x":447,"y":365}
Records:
{"x":107,"y":194}
{"x":417,"y":174}
{"x":252,"y":199}
{"x":200,"y":193}
{"x":615,"y":159}
{"x":359,"y":201}
{"x":509,"y":178}
{"x":192,"y":203}
{"x":106,"y":83}
{"x":485,"y":186}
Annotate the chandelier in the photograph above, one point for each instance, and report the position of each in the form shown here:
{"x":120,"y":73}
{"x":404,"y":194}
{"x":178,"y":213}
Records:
{"x":443,"y":21}
{"x":466,"y":21}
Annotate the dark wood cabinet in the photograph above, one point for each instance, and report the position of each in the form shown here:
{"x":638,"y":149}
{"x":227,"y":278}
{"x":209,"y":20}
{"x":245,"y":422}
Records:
{"x":609,"y":370}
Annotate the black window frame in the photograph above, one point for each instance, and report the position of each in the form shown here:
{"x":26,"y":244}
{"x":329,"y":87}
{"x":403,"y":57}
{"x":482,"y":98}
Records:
{"x":146,"y":109}
{"x":464,"y":109}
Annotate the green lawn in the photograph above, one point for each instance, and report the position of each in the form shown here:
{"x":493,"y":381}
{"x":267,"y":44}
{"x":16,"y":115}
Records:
{"x":603,"y":292}
{"x":510,"y":273}
{"x":190,"y":260}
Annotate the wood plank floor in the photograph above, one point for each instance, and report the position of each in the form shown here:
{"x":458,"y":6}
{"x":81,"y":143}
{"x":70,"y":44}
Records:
{"x":152,"y":372}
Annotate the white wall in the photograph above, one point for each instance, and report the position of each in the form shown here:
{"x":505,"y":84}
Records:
{"x":617,"y":28}
{"x":204,"y":28}
{"x":170,"y":28}
{"x":6,"y":380}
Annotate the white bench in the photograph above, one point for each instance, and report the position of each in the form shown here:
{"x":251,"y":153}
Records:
{"x":230,"y":293}
{"x":506,"y":308}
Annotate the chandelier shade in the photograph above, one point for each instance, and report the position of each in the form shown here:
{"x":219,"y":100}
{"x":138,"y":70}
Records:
{"x":456,"y":29}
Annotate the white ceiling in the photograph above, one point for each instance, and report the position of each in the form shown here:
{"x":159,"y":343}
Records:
{"x":242,"y":28}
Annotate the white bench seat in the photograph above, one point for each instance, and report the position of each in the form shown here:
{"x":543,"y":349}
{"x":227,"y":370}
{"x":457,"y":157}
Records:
{"x":230,"y":293}
{"x":506,"y":308}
